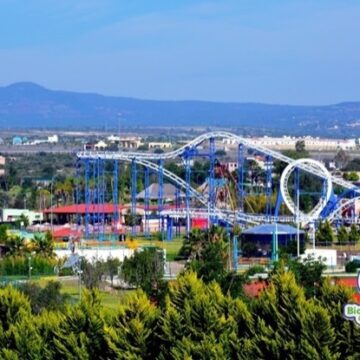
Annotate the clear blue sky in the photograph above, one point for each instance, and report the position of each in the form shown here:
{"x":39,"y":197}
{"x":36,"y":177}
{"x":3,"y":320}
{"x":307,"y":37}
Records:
{"x":274,"y":51}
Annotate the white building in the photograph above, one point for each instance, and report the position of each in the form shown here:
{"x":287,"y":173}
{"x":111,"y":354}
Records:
{"x":53,"y":139}
{"x":160,"y":145}
{"x":12,"y":215}
{"x":100,"y":145}
{"x":129,"y":142}
{"x":289,"y":142}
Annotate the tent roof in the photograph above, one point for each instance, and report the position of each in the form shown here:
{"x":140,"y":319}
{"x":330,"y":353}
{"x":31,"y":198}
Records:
{"x":269,"y":229}
{"x":169,"y":192}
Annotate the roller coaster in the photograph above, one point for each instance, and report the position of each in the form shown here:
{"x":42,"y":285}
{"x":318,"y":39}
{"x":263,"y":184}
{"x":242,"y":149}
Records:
{"x":335,"y":201}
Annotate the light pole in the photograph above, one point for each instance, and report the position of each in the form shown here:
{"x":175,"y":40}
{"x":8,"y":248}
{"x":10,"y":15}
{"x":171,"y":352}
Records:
{"x":30,"y":267}
{"x":29,"y":258}
{"x":51,"y":204}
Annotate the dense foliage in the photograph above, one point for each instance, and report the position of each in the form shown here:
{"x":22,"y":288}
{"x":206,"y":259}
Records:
{"x":196,"y":321}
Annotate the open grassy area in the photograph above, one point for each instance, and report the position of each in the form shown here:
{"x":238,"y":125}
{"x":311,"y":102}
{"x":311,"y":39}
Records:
{"x":110,"y":299}
{"x":172,"y":247}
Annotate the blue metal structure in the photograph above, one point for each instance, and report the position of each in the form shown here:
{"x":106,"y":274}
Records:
{"x":146,"y":201}
{"x":212,"y":189}
{"x":187,"y":193}
{"x":87,"y":196}
{"x":196,"y":203}
{"x":161,"y":195}
{"x":133,"y":196}
{"x":235,"y":253}
{"x":268,"y":185}
{"x":241,"y":176}
{"x":115,"y":196}
{"x":77,"y":190}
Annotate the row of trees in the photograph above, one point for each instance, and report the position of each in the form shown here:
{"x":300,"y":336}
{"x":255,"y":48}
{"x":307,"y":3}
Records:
{"x":326,"y":234}
{"x":196,"y":321}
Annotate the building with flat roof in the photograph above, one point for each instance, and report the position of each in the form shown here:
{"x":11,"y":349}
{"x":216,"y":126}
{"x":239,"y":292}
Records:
{"x":12,"y":215}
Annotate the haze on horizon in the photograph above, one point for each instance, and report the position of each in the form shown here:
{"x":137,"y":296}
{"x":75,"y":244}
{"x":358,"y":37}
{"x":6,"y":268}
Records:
{"x":272,"y":51}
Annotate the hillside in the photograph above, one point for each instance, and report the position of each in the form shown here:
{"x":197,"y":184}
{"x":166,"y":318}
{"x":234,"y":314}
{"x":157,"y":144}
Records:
{"x":28,"y":105}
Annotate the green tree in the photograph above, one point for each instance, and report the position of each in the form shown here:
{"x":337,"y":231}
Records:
{"x":48,"y":297}
{"x":145,"y":269}
{"x":3,"y":233}
{"x":347,"y":334}
{"x":112,"y":267}
{"x":342,"y":235}
{"x":131,"y":332}
{"x":82,"y":331}
{"x":290,"y":327}
{"x":341,"y":158}
{"x":308,"y":273}
{"x":14,"y":306}
{"x":194,"y":324}
{"x":325,"y":233}
{"x":351,"y":176}
{"x":92,"y":273}
{"x":300,"y":146}
{"x":43,"y":245}
{"x":16,"y":246}
{"x":354,"y":234}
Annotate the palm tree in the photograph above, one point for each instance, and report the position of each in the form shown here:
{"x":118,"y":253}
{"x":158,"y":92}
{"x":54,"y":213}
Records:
{"x":16,"y":245}
{"x":44,"y":245}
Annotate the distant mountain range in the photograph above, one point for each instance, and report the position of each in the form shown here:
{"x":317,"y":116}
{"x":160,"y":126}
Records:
{"x":28,"y":105}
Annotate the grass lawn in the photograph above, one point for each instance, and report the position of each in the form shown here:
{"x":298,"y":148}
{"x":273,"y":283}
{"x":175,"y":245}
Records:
{"x":109,"y":299}
{"x":172,"y":247}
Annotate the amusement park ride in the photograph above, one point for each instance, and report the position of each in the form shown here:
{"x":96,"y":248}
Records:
{"x":215,"y":200}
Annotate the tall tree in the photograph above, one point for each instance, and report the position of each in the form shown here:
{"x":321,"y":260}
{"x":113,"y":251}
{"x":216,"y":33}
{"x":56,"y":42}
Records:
{"x":342,"y":235}
{"x":300,"y":146}
{"x":325,"y":233}
{"x":354,"y":234}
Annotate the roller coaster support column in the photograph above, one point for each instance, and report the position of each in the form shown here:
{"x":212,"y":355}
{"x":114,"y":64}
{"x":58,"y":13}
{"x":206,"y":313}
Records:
{"x":101,"y":182}
{"x":146,"y":201}
{"x":87,"y":197}
{"x":115,"y":194}
{"x":235,"y":253}
{"x":161,"y":196}
{"x":279,"y":201}
{"x":268,"y":186}
{"x":275,"y":245}
{"x":133,"y":196}
{"x":169,"y":228}
{"x":187,"y":194}
{"x":212,"y":190}
{"x":241,"y":171}
{"x":177,"y":207}
{"x":77,"y":192}
{"x":297,"y":202}
{"x":95,"y":199}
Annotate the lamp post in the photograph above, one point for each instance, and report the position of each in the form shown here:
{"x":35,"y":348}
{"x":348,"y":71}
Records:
{"x":30,"y":267}
{"x":51,"y":204}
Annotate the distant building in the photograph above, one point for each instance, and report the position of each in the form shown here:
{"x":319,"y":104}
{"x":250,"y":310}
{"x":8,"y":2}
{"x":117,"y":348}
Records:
{"x":17,"y":140}
{"x":160,"y":145}
{"x":1,"y":141}
{"x":12,"y":215}
{"x":131,"y":142}
{"x":100,"y":145}
{"x":53,"y":139}
{"x":289,"y":142}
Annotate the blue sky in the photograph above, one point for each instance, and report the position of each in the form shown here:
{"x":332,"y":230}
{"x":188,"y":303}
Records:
{"x":274,"y":51}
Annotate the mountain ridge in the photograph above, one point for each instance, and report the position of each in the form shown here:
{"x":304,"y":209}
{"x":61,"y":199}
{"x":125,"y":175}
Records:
{"x":29,"y":105}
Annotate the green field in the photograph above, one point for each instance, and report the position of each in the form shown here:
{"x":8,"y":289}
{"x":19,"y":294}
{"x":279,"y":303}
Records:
{"x":172,"y":247}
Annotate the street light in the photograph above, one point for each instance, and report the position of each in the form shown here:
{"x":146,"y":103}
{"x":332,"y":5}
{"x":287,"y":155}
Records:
{"x":30,"y":267}
{"x":51,"y":204}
